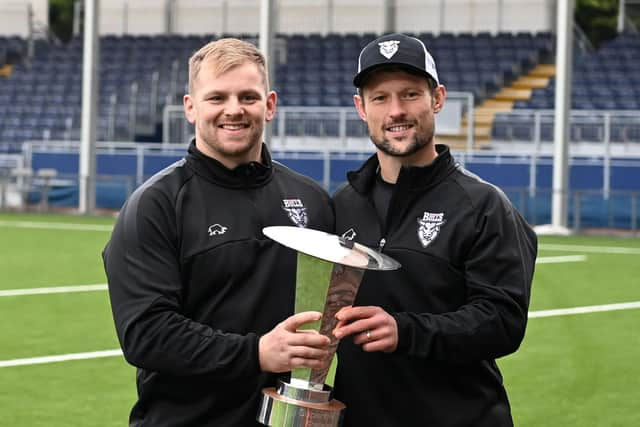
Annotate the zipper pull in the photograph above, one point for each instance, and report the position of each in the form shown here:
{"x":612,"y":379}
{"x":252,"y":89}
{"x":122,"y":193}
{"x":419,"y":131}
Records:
{"x":383,"y":241}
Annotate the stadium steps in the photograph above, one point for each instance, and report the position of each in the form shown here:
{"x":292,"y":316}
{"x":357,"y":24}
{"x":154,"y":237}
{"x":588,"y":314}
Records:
{"x":5,"y":70}
{"x":520,"y":90}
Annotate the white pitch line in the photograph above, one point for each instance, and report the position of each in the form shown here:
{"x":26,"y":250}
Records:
{"x":56,"y":226}
{"x":584,"y":310}
{"x":560,"y":259}
{"x":103,"y":287}
{"x":53,"y":290}
{"x":118,"y":352}
{"x":593,"y":249}
{"x":59,"y":358}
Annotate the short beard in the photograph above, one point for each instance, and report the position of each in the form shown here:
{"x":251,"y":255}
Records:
{"x":413,"y":147}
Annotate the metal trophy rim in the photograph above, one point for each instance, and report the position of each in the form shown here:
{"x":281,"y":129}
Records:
{"x":330,"y":247}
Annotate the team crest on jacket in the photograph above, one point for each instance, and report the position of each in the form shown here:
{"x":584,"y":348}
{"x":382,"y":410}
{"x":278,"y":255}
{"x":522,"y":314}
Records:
{"x":388,"y":48}
{"x":429,"y":227}
{"x":296,"y":211}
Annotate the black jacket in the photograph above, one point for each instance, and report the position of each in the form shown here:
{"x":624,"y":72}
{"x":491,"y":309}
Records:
{"x":193,"y":283}
{"x":460,"y":298}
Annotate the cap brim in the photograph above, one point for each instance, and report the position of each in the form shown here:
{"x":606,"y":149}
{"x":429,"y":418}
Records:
{"x":362,"y":76}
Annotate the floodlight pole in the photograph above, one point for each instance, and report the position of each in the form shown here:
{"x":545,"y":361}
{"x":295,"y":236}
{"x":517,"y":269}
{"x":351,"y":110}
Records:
{"x":90,"y":63}
{"x":267,"y":23}
{"x":564,"y":37}
{"x":621,"y":15}
{"x":390,"y":10}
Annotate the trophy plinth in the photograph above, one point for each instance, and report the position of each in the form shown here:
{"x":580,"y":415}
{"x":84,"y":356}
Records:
{"x":300,"y":404}
{"x":329,"y":272}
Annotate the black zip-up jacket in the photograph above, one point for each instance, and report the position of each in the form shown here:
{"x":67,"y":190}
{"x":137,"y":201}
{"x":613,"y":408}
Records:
{"x":194,"y":283}
{"x":460,"y":298}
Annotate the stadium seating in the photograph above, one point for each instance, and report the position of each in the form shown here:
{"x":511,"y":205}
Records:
{"x":606,"y":80}
{"x":138,"y":75}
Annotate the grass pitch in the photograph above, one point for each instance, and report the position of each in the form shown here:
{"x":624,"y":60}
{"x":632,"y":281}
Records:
{"x":571,"y":370}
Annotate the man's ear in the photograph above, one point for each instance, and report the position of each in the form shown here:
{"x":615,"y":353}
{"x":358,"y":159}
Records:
{"x":272,"y":100}
{"x":189,"y":108}
{"x":359,"y":103}
{"x":439,"y":96}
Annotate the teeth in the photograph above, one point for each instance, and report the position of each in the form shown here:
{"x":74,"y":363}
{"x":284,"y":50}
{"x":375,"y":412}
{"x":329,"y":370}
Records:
{"x":398,"y":128}
{"x":233,"y":127}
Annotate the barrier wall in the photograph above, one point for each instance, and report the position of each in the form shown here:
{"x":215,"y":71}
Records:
{"x":603,"y":192}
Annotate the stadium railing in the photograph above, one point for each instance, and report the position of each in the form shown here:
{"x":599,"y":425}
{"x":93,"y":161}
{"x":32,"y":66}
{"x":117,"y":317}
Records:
{"x":604,"y":192}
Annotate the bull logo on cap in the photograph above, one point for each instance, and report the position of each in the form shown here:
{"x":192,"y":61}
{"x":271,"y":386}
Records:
{"x":388,"y":48}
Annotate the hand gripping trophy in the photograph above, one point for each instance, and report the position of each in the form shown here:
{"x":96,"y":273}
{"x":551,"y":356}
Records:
{"x":329,"y":272}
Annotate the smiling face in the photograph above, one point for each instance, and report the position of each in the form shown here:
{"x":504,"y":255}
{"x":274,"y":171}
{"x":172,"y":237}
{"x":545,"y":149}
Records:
{"x":399,"y":109}
{"x":229,"y":109}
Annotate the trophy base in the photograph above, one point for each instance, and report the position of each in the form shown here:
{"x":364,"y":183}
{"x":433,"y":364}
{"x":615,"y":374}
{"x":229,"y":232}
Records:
{"x":300,"y":405}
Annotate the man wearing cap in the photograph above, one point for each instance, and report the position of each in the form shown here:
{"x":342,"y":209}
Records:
{"x":418,"y":347}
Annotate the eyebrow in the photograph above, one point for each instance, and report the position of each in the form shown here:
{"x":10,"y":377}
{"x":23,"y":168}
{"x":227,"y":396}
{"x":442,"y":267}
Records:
{"x":226,"y":92}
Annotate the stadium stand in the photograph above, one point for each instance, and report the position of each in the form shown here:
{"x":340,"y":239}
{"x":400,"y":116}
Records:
{"x":41,"y":98}
{"x":604,"y":81}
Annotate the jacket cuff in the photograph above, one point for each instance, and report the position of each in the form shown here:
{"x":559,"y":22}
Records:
{"x":404,"y":332}
{"x":254,"y":350}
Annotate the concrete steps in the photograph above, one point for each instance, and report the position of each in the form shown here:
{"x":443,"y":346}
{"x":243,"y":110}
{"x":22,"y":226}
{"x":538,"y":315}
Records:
{"x":502,"y":102}
{"x":5,"y":70}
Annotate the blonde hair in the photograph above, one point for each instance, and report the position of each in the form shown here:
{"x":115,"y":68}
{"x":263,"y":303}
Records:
{"x":225,"y":54}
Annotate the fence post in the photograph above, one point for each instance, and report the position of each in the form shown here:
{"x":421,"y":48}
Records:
{"x":576,"y":211}
{"x":634,"y":211}
{"x":326,"y":170}
{"x":139,"y":165}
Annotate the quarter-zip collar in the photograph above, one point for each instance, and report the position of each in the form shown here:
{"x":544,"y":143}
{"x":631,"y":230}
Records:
{"x":411,"y":178}
{"x":248,"y":175}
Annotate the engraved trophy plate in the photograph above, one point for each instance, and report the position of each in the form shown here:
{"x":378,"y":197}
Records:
{"x":329,"y":272}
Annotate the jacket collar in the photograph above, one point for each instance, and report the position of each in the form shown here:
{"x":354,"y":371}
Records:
{"x":249,"y":175}
{"x":410,"y":177}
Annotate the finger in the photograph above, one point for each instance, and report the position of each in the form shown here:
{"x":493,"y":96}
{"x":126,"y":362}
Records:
{"x":300,"y":362}
{"x":339,"y":326}
{"x":349,"y":314}
{"x":310,"y":340}
{"x":384,"y":345}
{"x":305,"y":352}
{"x":307,"y":331}
{"x":352,"y":328}
{"x":294,"y":322}
{"x":364,"y":337}
{"x":343,"y":309}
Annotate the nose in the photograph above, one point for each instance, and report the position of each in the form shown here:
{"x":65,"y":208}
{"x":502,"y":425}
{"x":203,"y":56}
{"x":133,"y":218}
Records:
{"x":233,"y":107}
{"x":396,"y":107}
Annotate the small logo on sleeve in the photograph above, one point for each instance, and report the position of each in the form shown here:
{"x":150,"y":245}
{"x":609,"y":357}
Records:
{"x":217,"y":229}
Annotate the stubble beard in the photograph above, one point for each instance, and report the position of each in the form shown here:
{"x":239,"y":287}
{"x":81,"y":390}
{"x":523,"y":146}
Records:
{"x":230,"y":149}
{"x":421,"y":140}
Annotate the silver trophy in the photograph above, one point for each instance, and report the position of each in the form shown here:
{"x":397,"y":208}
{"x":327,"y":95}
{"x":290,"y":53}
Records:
{"x":329,"y":272}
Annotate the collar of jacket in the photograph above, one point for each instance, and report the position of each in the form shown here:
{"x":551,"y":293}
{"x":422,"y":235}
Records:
{"x":410,"y":177}
{"x":248,"y":175}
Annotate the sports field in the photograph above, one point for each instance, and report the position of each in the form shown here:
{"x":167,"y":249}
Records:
{"x":60,"y":365}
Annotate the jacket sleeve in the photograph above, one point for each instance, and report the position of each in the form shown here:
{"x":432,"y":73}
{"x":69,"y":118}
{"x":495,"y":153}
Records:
{"x":498,"y":272}
{"x":142,"y":263}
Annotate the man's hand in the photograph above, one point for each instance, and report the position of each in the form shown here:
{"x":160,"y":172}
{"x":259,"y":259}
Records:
{"x":285,"y":347}
{"x":371,"y":327}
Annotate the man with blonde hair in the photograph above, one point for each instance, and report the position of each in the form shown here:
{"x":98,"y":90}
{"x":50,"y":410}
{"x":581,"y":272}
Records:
{"x":202,"y":300}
